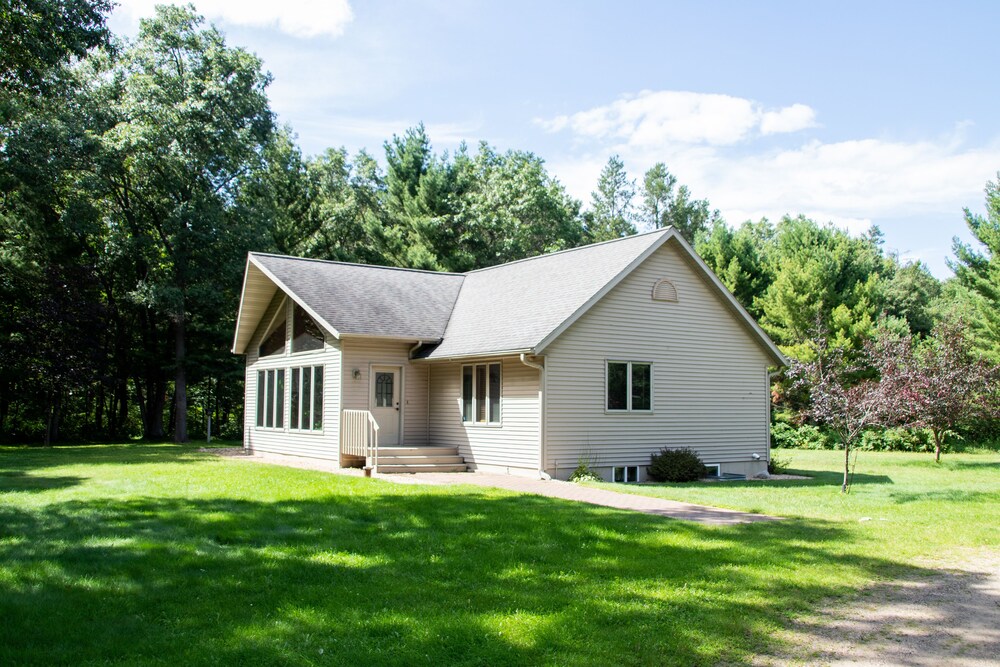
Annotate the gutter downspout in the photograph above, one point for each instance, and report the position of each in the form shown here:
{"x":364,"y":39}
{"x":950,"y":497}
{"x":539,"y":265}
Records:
{"x":541,"y":414}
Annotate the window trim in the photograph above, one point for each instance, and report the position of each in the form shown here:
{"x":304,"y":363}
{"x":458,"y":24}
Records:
{"x":461,"y":383}
{"x":625,"y":470}
{"x":260,"y":418}
{"x":628,"y":383}
{"x":312,"y":399}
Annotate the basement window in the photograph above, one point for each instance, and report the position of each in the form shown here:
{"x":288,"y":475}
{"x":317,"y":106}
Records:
{"x":626,"y":474}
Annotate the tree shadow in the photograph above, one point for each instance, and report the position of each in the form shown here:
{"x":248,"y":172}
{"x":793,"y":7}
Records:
{"x":31,"y":458}
{"x":947,"y":495}
{"x":928,"y":618}
{"x":401,"y":575}
{"x":19,"y":481}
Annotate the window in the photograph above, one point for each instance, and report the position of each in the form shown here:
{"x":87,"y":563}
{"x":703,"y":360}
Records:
{"x":481,"y":393}
{"x":307,"y":398}
{"x":629,"y":386}
{"x":275,"y":343}
{"x":624,"y":474}
{"x":271,"y":398}
{"x":306,"y":334}
{"x":383,"y":390}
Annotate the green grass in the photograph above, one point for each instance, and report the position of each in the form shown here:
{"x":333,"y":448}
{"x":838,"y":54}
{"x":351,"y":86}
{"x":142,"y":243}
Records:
{"x":150,"y":554}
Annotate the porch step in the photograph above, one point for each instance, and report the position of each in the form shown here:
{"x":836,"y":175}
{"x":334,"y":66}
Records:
{"x":423,"y":467}
{"x":420,"y":459}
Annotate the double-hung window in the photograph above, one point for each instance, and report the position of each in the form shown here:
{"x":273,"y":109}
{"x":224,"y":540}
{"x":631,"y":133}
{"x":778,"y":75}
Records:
{"x":629,"y":386}
{"x":271,"y":398}
{"x":481,"y":393}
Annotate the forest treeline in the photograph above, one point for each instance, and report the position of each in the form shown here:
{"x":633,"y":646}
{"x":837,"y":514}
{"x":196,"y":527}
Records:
{"x":137,"y":174}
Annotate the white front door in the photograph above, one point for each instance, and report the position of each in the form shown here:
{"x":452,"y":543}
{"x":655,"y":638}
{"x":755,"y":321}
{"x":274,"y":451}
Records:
{"x":386,"y":390}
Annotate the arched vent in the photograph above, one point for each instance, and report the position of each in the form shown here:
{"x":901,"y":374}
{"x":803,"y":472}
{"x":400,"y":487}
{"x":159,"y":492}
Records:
{"x":664,"y":290}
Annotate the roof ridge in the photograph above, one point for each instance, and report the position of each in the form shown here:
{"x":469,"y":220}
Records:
{"x":358,"y":264}
{"x":566,"y":250}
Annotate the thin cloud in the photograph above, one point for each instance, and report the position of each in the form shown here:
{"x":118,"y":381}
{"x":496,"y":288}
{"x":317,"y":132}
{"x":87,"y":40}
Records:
{"x":298,"y":18}
{"x":670,"y":116}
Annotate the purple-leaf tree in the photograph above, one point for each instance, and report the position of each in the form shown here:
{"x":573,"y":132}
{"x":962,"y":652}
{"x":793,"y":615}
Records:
{"x":845,"y":393}
{"x":944,"y":382}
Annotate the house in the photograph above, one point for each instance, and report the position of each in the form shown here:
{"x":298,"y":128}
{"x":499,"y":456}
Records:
{"x":602,"y":354}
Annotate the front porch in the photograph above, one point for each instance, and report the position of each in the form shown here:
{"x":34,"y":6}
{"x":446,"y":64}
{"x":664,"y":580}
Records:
{"x":360,"y":448}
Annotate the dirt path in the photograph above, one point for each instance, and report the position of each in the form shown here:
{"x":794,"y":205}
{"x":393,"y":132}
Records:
{"x":948,"y":615}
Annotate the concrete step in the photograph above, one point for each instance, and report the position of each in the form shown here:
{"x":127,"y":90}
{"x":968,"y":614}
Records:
{"x":422,"y":467}
{"x":417,"y":451}
{"x":392,"y":459}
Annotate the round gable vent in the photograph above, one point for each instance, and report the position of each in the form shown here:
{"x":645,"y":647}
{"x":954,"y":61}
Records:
{"x":664,"y":290}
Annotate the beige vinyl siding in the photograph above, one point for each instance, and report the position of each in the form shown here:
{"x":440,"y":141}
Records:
{"x":316,"y":444}
{"x":362,"y":353}
{"x":710,"y":388}
{"x":512,"y":444}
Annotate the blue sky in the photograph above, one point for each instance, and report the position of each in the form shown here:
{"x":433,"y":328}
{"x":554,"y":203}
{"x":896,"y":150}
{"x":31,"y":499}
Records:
{"x":857,"y":113}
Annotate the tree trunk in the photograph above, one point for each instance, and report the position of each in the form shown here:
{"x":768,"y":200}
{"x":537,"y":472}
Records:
{"x":180,"y":383}
{"x":847,"y":468}
{"x":937,"y":446}
{"x":99,"y":409}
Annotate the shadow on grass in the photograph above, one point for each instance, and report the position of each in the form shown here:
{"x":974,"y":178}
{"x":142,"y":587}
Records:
{"x":815,"y":478}
{"x":16,"y":480}
{"x":30,"y":458}
{"x":946,"y":495}
{"x":402,"y":577}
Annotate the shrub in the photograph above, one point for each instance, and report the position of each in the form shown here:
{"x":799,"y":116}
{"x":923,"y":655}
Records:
{"x":897,"y":440}
{"x":676,"y":465}
{"x":807,"y":436}
{"x":583,"y":472}
{"x":778,"y":465}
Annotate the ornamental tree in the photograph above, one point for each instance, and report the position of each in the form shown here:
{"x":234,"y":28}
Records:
{"x":944,"y":382}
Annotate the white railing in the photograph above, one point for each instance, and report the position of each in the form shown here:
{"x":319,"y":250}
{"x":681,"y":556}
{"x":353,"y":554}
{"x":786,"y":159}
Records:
{"x":359,"y":437}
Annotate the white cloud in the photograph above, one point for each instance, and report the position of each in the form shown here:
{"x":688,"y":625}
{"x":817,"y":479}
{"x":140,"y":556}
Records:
{"x":299,"y":18}
{"x":657,"y":117}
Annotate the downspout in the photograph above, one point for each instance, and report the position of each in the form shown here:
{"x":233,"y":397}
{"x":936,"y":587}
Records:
{"x":541,"y":414}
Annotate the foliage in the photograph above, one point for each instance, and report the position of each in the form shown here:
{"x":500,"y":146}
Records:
{"x":663,"y":207}
{"x":676,"y":465}
{"x":777,"y":464}
{"x":584,"y":472}
{"x":40,"y":35}
{"x":846,"y":393}
{"x":944,"y":383}
{"x":611,"y":211}
{"x":978,"y":272}
{"x":806,"y":436}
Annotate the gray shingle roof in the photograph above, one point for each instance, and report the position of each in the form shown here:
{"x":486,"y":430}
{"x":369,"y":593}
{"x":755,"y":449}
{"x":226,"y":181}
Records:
{"x":515,"y":306}
{"x":370,"y":300}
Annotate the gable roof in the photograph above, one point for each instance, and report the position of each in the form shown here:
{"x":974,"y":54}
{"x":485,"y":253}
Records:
{"x":352,"y":299}
{"x":514,"y":307}
{"x":520,"y":306}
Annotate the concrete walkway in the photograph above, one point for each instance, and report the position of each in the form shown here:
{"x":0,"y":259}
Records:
{"x":587,"y":494}
{"x":549,"y":488}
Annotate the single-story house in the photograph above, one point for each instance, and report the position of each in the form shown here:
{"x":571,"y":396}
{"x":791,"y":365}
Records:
{"x":602,"y":354}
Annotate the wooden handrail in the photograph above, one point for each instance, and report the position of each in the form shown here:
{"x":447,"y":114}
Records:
{"x":359,"y":436}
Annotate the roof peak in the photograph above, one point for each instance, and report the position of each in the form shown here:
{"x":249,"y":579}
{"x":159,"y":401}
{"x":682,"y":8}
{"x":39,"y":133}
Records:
{"x":661,"y":230}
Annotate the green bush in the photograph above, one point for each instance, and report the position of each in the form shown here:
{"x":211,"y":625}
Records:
{"x":584,"y":473}
{"x":807,"y":436}
{"x":676,"y":465}
{"x":778,"y":464}
{"x":897,"y":440}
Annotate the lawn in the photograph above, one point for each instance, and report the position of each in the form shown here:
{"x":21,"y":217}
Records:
{"x":160,"y":554}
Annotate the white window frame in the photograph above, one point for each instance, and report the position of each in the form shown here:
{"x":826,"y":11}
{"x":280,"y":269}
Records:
{"x":265,"y":390}
{"x":312,"y":398}
{"x":718,"y":469}
{"x":627,"y":477}
{"x":461,"y":383}
{"x":628,"y":383}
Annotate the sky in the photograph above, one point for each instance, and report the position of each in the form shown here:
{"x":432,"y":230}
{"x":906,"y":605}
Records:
{"x":854,"y":113}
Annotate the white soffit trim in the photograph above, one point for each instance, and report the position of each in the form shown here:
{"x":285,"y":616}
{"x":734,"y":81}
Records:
{"x":294,"y":297}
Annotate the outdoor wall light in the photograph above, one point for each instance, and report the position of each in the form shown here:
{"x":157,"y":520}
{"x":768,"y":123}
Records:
{"x":756,"y":456}
{"x":356,"y":373}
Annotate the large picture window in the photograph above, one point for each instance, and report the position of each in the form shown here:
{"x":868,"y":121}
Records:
{"x":271,"y":398}
{"x":481,"y":393}
{"x":629,"y":386}
{"x":274,"y":343}
{"x":306,"y":334}
{"x":307,"y":399}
